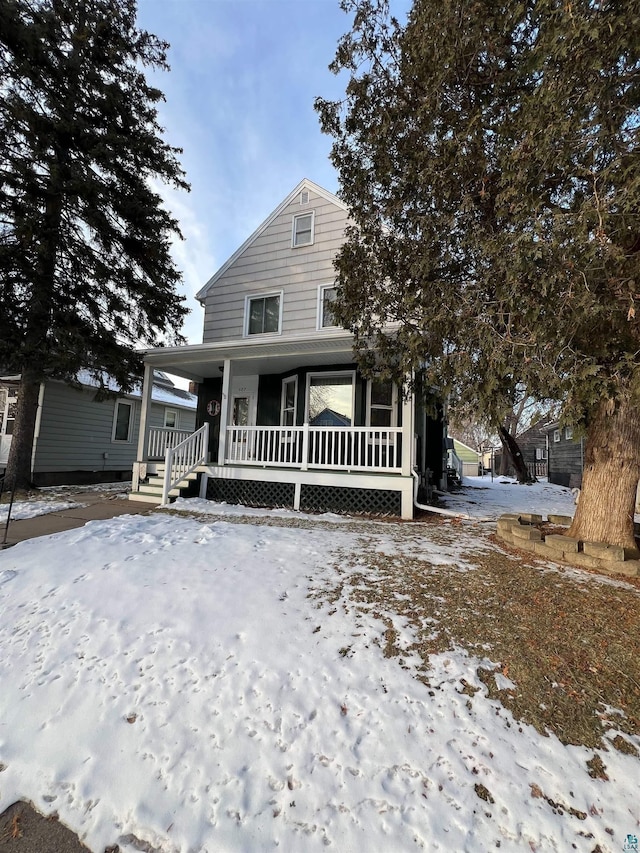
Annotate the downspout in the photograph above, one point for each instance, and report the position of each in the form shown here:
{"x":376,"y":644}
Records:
{"x":449,"y":513}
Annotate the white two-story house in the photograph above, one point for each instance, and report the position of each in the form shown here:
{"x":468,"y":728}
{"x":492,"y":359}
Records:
{"x":284,"y":416}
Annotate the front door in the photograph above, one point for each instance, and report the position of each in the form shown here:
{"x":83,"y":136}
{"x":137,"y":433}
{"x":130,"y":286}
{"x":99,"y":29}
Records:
{"x":244,"y":399}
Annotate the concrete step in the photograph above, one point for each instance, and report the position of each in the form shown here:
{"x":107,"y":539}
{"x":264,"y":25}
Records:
{"x":160,"y":469}
{"x":156,"y":489}
{"x":151,"y":491}
{"x":141,"y":497}
{"x":158,"y":483}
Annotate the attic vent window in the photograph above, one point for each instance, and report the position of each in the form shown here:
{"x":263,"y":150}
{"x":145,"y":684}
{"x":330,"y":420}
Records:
{"x":304,"y":197}
{"x":302,"y":230}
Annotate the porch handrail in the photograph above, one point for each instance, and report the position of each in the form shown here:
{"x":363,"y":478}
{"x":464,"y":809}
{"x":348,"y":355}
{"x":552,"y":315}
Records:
{"x":337,"y":448}
{"x":454,"y":461}
{"x":184,"y":458}
{"x":161,"y":438}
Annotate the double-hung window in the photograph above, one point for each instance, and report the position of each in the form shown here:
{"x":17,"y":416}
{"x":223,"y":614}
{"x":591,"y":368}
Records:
{"x":171,"y":418}
{"x":122,"y":421}
{"x":288,"y":406}
{"x":382,"y":403}
{"x":302,"y":234}
{"x":326,"y":297}
{"x":263,"y":314}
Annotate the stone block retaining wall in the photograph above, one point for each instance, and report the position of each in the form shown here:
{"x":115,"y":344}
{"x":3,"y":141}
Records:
{"x":521,"y":532}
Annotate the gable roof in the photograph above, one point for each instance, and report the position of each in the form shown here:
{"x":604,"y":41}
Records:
{"x":305,"y":184}
{"x":464,"y":452}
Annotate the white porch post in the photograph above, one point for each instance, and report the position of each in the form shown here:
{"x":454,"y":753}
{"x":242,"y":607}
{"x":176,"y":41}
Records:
{"x":143,"y":432}
{"x":407,"y":433}
{"x":225,"y":411}
{"x":305,"y":447}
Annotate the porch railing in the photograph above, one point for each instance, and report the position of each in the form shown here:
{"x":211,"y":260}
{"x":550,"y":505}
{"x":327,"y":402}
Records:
{"x":184,"y":458}
{"x":336,"y":448}
{"x":162,"y":438}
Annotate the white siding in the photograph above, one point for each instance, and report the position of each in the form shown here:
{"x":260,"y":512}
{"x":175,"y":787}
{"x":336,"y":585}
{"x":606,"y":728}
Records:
{"x":271,"y":263}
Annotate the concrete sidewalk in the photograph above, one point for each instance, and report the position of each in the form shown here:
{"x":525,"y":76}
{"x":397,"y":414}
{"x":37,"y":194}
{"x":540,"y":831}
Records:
{"x":96,"y":505}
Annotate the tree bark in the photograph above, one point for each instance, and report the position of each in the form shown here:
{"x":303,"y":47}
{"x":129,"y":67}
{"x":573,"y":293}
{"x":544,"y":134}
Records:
{"x":18,"y":473}
{"x":610,"y":477}
{"x":510,"y":446}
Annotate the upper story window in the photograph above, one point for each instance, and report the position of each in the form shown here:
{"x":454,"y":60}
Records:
{"x":122,"y":421}
{"x":326,"y":296}
{"x":302,"y":234}
{"x":556,"y":435}
{"x":568,"y":432}
{"x":382,"y":403}
{"x":263,"y":314}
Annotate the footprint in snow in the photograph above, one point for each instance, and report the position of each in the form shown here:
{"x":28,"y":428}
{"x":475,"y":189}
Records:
{"x":7,"y":575}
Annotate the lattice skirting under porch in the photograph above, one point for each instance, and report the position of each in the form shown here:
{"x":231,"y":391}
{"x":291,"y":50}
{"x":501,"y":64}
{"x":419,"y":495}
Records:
{"x":315,"y":498}
{"x":250,"y":492}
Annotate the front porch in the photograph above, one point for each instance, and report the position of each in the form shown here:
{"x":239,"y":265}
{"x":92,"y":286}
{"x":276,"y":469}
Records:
{"x":288,"y":423}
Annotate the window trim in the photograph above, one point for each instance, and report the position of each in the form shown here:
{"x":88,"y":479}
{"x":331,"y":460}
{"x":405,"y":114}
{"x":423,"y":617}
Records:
{"x":293,"y":378}
{"x":127,"y":440}
{"x":247,"y":313}
{"x":324,"y":374}
{"x":296,"y":217}
{"x":556,"y":436}
{"x":393,"y":408}
{"x":320,"y":308}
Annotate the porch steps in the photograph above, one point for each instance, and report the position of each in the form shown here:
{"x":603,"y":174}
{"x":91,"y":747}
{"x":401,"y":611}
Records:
{"x":151,"y":491}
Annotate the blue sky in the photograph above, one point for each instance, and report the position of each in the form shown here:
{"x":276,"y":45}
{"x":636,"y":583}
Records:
{"x":244,"y":75}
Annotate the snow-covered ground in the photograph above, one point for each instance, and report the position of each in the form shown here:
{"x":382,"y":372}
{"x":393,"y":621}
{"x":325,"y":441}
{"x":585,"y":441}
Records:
{"x":34,"y":508}
{"x":484,"y":497}
{"x":178,"y":684}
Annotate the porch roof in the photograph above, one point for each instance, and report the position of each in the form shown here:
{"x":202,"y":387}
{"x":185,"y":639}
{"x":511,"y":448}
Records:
{"x":275,"y":355}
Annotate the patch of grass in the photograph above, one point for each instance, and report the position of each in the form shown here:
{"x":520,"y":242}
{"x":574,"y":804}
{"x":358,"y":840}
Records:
{"x":568,"y":641}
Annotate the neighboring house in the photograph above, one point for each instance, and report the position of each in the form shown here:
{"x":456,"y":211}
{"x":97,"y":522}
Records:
{"x":533,"y":444}
{"x":565,"y":455}
{"x":285,"y":418}
{"x":82,"y":439}
{"x":566,"y":458}
{"x":469,"y":459}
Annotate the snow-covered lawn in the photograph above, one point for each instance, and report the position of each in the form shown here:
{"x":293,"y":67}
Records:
{"x":482,"y":496}
{"x":183,"y":684}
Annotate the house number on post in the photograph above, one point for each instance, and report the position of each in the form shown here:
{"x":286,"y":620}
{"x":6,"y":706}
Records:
{"x":213,"y":408}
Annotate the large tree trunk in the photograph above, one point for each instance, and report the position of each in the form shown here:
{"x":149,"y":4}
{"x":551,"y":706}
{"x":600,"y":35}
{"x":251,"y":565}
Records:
{"x":610,"y":478}
{"x":18,"y":471}
{"x":510,"y":447}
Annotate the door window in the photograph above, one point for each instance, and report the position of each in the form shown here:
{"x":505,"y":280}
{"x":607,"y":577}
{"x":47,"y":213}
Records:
{"x":240,"y":411}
